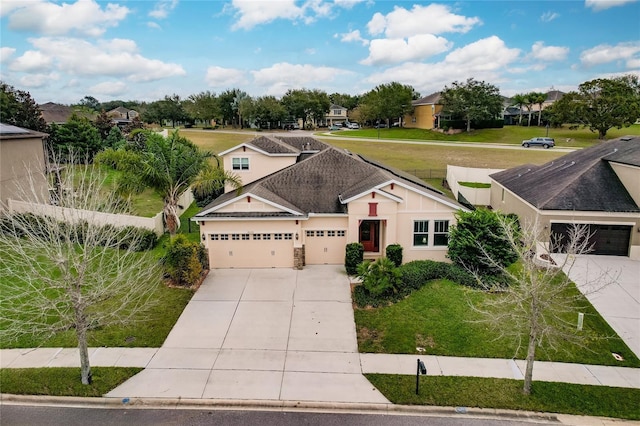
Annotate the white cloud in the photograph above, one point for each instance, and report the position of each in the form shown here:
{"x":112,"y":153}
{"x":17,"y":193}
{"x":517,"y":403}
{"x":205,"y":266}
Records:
{"x":6,"y":53}
{"x":605,"y":53}
{"x":8,"y":6}
{"x":114,"y":58}
{"x":154,"y":25}
{"x":85,"y":17}
{"x":281,"y":77}
{"x":431,"y":19}
{"x":486,"y":59}
{"x":353,"y":36}
{"x":162,"y":8}
{"x":548,"y":53}
{"x":415,"y":48}
{"x":109,"y":88}
{"x":598,"y":5}
{"x":347,"y":4}
{"x":633,"y":63}
{"x":224,"y":77}
{"x":252,"y":12}
{"x":32,"y":61}
{"x":38,"y":80}
{"x":549,"y":16}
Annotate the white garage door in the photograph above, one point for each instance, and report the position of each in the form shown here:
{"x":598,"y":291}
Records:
{"x":325,"y":247}
{"x":253,"y":250}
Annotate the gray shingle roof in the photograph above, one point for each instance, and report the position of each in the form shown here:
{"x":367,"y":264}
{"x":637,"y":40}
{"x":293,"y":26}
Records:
{"x":582,"y":180}
{"x":287,"y":145}
{"x":318,"y":183}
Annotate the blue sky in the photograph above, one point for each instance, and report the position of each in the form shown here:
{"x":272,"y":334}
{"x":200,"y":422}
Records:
{"x":144,"y":50}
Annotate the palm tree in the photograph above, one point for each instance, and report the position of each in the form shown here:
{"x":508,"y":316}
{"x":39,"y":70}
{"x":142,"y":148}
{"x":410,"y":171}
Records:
{"x":520,"y":101}
{"x":169,"y":165}
{"x":529,"y":104}
{"x":538,"y":98}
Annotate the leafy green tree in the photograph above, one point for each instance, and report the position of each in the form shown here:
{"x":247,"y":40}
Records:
{"x":226,"y":102}
{"x":601,"y":104}
{"x":267,"y":109}
{"x":390,"y":101}
{"x":479,"y":235}
{"x":77,"y":136}
{"x":203,"y":106}
{"x":345,"y":100}
{"x":91,"y":103}
{"x":104,"y":124}
{"x":115,"y":138}
{"x":168,"y":165}
{"x":309,"y":105}
{"x":18,"y":108}
{"x":471,"y":100}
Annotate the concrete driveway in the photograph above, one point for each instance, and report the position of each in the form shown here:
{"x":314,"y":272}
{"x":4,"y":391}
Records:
{"x":261,"y":334}
{"x":612,"y":285}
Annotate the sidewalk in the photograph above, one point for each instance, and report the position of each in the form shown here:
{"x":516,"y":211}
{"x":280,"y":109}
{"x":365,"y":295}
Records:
{"x":597,"y":375}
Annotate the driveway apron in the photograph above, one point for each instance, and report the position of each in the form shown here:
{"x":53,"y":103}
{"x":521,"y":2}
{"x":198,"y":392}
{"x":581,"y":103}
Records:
{"x":261,"y":334}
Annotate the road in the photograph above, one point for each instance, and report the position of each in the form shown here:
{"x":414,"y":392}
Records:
{"x":25,"y":415}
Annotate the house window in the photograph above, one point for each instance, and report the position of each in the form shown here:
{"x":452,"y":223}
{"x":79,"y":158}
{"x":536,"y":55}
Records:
{"x":240,"y":163}
{"x":331,"y":233}
{"x":245,"y":236}
{"x":319,"y":233}
{"x":503,"y":195}
{"x":341,"y":234}
{"x":266,"y":236}
{"x":235,"y":237}
{"x":256,"y":236}
{"x":310,"y":233}
{"x":373,"y":209}
{"x":277,"y":236}
{"x":214,"y":237}
{"x":288,"y":236}
{"x":224,"y":237}
{"x":421,"y":233}
{"x":440,"y":232}
{"x":337,"y":112}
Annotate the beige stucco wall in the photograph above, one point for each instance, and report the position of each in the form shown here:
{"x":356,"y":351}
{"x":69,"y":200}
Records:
{"x":22,"y":160}
{"x":507,"y":202}
{"x":476,"y":196}
{"x":423,"y":117}
{"x":630,"y":178}
{"x":260,"y":165}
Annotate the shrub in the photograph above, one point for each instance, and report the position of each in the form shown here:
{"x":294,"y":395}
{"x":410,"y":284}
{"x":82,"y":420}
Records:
{"x":416,"y":273}
{"x":181,"y":261}
{"x":461,"y":276}
{"x":379,"y":277}
{"x":353,"y":257}
{"x":394,"y":254}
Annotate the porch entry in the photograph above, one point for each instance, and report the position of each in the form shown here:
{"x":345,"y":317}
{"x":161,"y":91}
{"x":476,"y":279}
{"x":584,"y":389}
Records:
{"x":369,"y":235}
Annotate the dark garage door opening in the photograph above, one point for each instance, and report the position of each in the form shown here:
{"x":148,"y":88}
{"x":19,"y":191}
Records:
{"x":610,"y":240}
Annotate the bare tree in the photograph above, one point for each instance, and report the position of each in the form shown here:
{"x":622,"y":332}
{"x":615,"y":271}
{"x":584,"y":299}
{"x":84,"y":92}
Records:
{"x":61,"y":268}
{"x":538,"y":307}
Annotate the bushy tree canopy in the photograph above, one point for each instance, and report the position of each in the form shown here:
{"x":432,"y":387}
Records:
{"x":471,"y":100}
{"x":17,"y":107}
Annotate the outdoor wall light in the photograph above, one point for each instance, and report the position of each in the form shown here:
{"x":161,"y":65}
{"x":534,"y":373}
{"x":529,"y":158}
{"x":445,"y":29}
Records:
{"x":297,"y":236}
{"x":203,"y":237}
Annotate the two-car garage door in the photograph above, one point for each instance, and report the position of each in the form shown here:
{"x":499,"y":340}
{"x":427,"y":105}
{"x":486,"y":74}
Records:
{"x":251,"y":250}
{"x":612,"y":240}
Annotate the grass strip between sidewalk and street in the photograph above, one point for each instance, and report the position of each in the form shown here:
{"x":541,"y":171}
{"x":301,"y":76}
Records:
{"x":63,"y":381}
{"x":507,"y":394}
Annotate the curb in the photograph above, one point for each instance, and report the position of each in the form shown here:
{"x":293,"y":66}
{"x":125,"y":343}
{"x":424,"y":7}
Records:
{"x":278,"y":405}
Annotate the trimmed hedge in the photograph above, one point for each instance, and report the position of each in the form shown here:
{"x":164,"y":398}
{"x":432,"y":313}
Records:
{"x":394,"y":254}
{"x":137,"y":239}
{"x":354,"y":255}
{"x":183,"y":262}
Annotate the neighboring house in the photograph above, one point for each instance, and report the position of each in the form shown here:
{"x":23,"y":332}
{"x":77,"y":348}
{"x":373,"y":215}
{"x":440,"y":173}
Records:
{"x":511,"y":113}
{"x":426,"y":113}
{"x":336,"y":115}
{"x":55,"y":113}
{"x":598,"y":186}
{"x":22,"y":163}
{"x":122,"y":116}
{"x":309,"y":200}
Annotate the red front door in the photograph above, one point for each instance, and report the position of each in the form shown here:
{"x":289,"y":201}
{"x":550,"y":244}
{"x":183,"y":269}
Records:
{"x":370,"y":235}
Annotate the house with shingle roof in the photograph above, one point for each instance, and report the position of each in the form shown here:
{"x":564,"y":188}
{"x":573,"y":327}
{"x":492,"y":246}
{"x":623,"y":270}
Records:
{"x":426,"y":112}
{"x":598,"y":186}
{"x":303,"y":201}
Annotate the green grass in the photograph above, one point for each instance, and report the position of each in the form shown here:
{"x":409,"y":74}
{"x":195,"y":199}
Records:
{"x":475,"y":184}
{"x":507,"y":394}
{"x":438,"y":318}
{"x":62,"y":381}
{"x":513,"y":135}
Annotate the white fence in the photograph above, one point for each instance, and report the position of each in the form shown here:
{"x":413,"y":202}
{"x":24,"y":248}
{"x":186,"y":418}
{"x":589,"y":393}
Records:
{"x":476,"y":196}
{"x":66,"y":214}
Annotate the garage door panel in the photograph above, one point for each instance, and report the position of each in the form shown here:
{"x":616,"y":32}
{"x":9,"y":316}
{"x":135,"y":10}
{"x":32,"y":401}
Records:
{"x":611,"y":240}
{"x":251,"y":253}
{"x":328,"y":248}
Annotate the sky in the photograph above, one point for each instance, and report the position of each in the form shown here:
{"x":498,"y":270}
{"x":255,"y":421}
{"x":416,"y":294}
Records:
{"x":143,"y":50}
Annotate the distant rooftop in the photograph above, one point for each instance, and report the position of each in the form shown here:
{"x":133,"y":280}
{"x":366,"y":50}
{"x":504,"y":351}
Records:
{"x":8,"y":129}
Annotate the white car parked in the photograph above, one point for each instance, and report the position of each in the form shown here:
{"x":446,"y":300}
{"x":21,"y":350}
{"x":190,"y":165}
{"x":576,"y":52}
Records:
{"x":353,"y":126}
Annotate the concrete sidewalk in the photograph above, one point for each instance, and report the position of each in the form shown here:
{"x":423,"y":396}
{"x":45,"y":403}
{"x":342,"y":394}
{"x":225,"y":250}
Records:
{"x":597,"y":375}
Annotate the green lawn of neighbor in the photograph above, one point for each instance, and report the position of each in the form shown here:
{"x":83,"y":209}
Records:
{"x":546,"y":397}
{"x":62,"y":381}
{"x":438,"y":318}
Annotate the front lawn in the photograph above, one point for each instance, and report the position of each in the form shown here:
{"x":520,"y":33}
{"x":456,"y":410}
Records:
{"x":549,"y":397}
{"x":438,"y":318}
{"x":63,"y":381}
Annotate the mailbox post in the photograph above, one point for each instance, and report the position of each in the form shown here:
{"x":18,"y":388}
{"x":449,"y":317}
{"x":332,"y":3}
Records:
{"x":421,"y":369}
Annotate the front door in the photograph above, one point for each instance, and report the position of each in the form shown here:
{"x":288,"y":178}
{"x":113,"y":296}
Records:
{"x":370,"y":235}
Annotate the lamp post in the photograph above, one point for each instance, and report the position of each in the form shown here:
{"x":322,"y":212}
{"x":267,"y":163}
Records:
{"x":378,"y":126}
